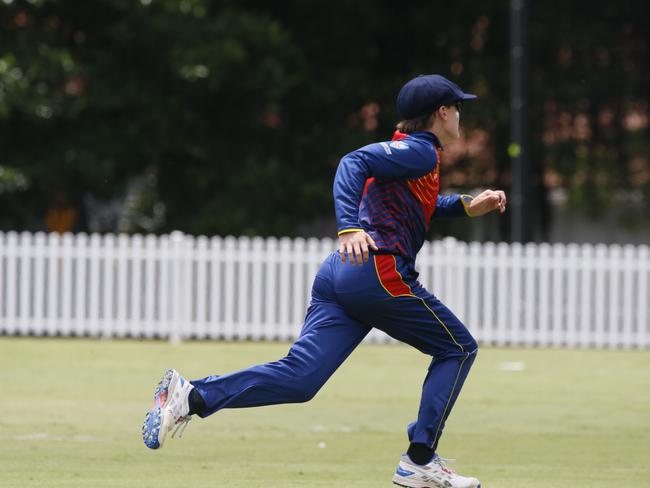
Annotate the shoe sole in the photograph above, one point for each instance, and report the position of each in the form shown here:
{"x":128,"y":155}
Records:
{"x":165,"y":385}
{"x":399,"y":482}
{"x":155,"y":438}
{"x":165,"y":426}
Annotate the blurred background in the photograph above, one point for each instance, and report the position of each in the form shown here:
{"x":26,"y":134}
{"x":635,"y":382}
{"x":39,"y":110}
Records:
{"x":229,"y":117}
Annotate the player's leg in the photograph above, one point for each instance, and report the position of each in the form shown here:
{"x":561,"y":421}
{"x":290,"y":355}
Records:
{"x":406,"y":311}
{"x":328,"y":336}
{"x":430,"y":327}
{"x":435,"y":331}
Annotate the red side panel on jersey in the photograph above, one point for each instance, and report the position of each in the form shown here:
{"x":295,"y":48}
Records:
{"x":389,"y":277}
{"x":365,"y":187}
{"x":425,"y":188}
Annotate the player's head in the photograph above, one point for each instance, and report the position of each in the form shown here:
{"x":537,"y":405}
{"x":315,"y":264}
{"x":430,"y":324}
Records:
{"x":431,"y":102}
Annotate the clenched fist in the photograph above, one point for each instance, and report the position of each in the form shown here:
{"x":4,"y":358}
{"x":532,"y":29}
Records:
{"x":486,"y":202}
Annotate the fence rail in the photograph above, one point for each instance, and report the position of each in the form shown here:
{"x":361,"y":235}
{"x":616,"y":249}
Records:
{"x":178,"y":286}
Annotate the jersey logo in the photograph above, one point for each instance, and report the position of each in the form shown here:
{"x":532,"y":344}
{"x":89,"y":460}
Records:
{"x":386,"y":148}
{"x":399,"y":145}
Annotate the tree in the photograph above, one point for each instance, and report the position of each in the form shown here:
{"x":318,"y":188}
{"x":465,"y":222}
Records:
{"x":228,"y":116}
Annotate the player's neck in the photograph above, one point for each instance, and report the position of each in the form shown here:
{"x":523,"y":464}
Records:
{"x":443,"y":135}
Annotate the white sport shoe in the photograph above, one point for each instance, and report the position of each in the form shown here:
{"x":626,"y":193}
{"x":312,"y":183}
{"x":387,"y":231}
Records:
{"x":170,"y":408}
{"x":436,"y":474}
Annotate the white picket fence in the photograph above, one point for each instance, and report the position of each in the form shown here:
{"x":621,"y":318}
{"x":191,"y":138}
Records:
{"x":178,"y":286}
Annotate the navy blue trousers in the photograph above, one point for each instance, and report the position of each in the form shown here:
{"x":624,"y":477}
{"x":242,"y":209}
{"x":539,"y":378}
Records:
{"x":347,"y":301}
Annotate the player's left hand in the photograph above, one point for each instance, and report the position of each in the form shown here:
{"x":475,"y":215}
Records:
{"x":486,"y":202}
{"x":355,"y":246}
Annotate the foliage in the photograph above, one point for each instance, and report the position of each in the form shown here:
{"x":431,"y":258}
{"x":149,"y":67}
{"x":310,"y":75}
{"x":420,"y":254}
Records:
{"x":238,"y":111}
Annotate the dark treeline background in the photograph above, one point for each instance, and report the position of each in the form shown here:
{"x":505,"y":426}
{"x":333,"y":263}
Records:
{"x":229,"y":117}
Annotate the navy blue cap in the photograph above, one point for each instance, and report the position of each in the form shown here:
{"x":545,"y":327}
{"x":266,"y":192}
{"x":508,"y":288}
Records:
{"x":426,"y":93}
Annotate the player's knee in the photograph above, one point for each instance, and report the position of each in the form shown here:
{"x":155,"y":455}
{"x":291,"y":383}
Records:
{"x":307,"y":395}
{"x":302,"y":379}
{"x":467,"y":346}
{"x":471,"y":346}
{"x":304,"y":385}
{"x":304,"y":393}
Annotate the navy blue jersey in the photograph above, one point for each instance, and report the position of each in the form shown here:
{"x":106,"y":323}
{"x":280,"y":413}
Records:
{"x":390,"y":190}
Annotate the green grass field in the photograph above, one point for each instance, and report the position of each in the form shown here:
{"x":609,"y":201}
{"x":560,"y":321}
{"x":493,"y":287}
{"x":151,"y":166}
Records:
{"x":71,"y":412}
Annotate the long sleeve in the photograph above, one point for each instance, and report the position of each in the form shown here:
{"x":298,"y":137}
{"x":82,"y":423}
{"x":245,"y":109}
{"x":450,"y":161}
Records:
{"x":400,"y":160}
{"x":451,"y":206}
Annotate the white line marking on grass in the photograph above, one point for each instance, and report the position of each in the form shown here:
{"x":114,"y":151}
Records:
{"x":321,"y":428}
{"x":512,"y":366}
{"x":38,"y":436}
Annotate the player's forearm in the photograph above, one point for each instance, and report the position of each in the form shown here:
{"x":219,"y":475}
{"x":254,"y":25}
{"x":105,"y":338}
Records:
{"x":452,"y":206}
{"x":349,"y":181}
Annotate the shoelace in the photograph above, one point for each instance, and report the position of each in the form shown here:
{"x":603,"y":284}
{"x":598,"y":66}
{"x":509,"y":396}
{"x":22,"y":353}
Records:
{"x":442,"y":462}
{"x":181,"y":425}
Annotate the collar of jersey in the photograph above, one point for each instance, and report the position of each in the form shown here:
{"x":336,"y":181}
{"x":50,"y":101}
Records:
{"x":429,"y":136}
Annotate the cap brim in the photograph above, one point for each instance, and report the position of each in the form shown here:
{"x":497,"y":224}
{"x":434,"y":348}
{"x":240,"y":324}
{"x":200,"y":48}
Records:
{"x":467,"y":96}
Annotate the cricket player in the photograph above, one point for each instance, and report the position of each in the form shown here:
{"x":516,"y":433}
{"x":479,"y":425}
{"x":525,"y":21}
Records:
{"x":385,"y":196}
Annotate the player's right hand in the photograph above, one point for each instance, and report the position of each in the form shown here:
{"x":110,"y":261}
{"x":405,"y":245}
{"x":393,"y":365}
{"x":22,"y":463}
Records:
{"x":354,"y":245}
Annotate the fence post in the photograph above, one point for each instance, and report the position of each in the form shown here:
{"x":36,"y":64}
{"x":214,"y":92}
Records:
{"x":630,"y":266}
{"x":488,"y":316}
{"x":93,"y":326}
{"x":135,"y":317}
{"x":178,"y":287}
{"x":26,"y":249}
{"x":642,"y":338}
{"x":153,"y":265}
{"x":503,"y":265}
{"x":573,"y":269}
{"x":12,"y":257}
{"x":243,"y":258}
{"x":614,"y":316}
{"x":559,"y":292}
{"x":52,"y":257}
{"x":600,"y":298}
{"x":229,"y":255}
{"x":257,"y":328}
{"x":512,"y":335}
{"x":271,"y":288}
{"x":587,"y":281}
{"x":544,"y":308}
{"x":529,"y":266}
{"x":81,"y":250}
{"x":39,"y":283}
{"x":216,"y":277}
{"x":200,"y":329}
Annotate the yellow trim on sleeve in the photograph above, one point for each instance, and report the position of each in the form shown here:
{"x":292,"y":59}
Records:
{"x":345,"y":231}
{"x":466,"y":202}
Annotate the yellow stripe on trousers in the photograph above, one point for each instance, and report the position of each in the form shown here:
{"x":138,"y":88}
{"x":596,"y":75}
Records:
{"x":451,"y":395}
